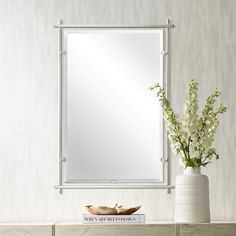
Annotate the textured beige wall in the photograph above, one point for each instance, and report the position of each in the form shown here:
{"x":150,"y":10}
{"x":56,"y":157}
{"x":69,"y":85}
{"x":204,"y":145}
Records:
{"x":203,"y":47}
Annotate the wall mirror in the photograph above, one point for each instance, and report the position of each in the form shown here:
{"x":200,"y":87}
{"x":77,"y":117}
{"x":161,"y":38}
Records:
{"x":111,"y":128}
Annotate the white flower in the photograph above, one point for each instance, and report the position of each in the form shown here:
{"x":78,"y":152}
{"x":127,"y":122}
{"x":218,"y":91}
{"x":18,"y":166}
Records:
{"x":193,"y":136}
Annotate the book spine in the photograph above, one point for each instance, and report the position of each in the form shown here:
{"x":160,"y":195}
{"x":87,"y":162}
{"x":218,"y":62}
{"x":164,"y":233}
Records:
{"x":114,"y":219}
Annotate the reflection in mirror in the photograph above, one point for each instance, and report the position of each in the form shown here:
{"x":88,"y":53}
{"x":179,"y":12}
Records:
{"x":112,"y":125}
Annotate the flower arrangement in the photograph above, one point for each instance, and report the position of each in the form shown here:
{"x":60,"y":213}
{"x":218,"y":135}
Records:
{"x":193,"y":135}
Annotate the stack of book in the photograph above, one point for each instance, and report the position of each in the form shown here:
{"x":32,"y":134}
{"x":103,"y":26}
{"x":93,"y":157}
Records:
{"x":114,"y":219}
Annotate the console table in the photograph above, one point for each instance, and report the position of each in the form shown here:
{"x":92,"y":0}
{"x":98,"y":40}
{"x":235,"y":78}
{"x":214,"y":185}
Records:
{"x":148,"y":229}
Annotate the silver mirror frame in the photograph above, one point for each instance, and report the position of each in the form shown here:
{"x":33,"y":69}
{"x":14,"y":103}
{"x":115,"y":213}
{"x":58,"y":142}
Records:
{"x":165,"y":184}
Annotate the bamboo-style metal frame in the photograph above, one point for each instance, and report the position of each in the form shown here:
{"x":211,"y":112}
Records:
{"x":166,"y":184}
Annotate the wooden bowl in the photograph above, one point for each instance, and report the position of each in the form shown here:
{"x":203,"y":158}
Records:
{"x":117,"y":210}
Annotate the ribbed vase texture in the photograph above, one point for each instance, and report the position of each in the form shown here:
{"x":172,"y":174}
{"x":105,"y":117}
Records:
{"x":192,"y":197}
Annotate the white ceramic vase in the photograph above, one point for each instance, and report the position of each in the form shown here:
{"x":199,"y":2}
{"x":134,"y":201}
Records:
{"x":192,"y":197}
